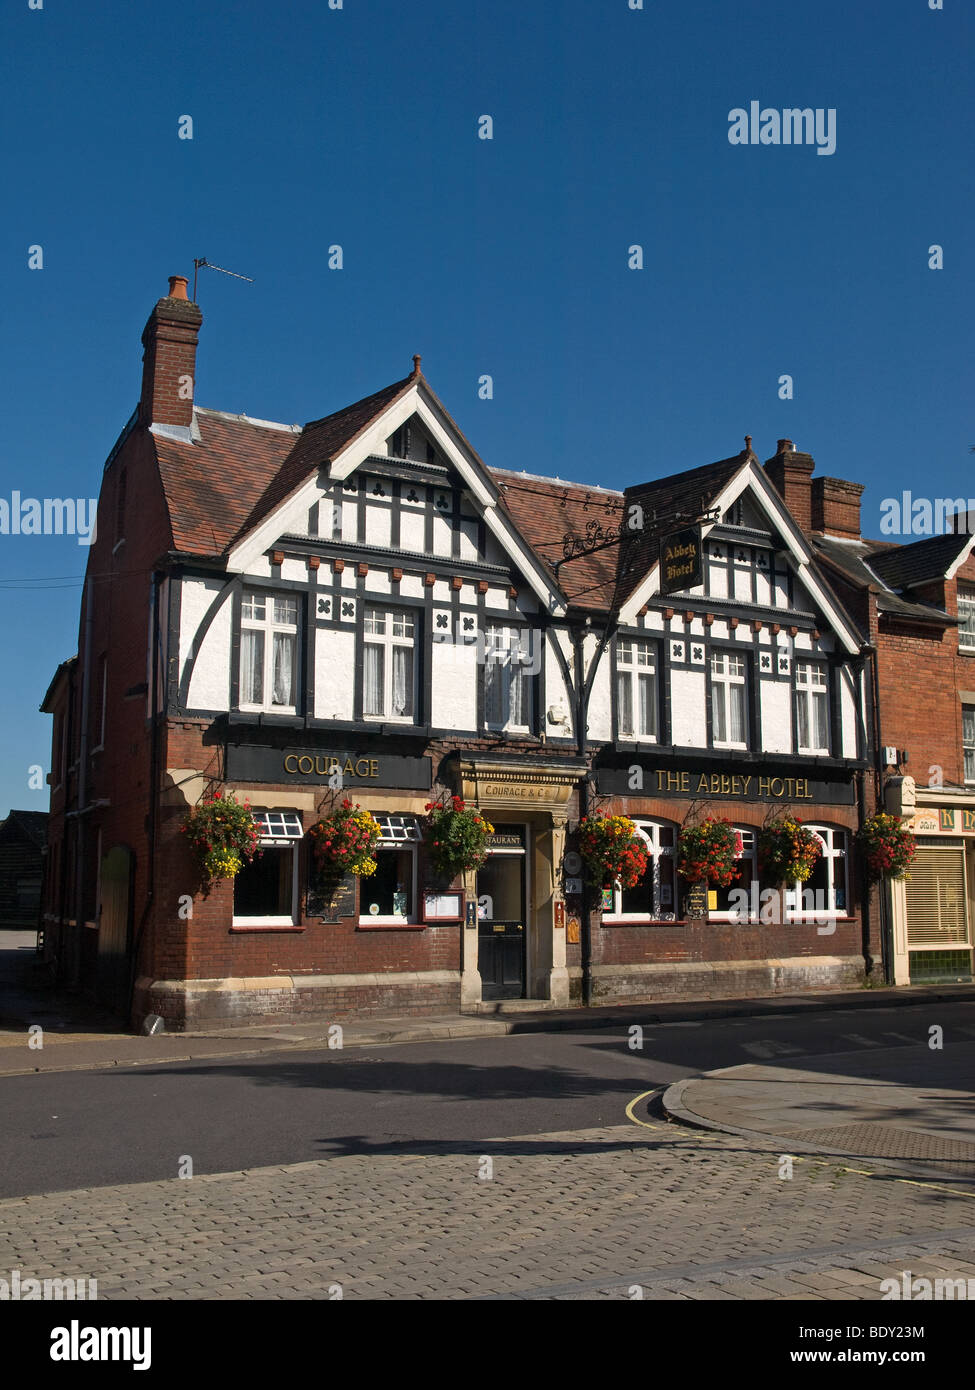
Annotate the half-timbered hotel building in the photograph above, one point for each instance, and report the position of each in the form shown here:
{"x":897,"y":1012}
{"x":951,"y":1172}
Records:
{"x":361,"y":607}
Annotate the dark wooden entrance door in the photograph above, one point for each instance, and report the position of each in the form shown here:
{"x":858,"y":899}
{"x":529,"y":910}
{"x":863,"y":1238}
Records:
{"x":501,"y":927}
{"x":114,"y":928}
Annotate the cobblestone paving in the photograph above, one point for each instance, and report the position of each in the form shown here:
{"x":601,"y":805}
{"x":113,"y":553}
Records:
{"x":663,"y":1213}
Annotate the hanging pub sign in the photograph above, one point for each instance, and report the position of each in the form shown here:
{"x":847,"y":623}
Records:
{"x":680,"y":560}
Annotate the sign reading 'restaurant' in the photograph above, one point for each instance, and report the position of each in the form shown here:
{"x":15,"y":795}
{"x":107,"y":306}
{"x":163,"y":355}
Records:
{"x":680,"y":560}
{"x":256,"y":763}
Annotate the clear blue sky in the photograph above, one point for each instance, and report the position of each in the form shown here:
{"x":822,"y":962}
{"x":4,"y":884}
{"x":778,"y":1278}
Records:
{"x":509,"y":257}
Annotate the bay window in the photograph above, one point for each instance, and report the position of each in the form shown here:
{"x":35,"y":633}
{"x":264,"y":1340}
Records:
{"x":389,"y":666}
{"x":268,"y":652}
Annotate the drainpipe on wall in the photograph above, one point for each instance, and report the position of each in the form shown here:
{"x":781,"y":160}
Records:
{"x":886,"y":939}
{"x":581,"y":722}
{"x":153,"y":794}
{"x":74,"y":970}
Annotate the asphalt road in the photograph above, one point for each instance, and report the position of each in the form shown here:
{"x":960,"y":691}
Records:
{"x":101,"y":1128}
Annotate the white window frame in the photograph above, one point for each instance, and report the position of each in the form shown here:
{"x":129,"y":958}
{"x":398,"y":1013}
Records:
{"x":269,"y":625}
{"x":825,"y":834}
{"x":636,"y":659}
{"x":966,"y":601}
{"x":399,"y":833}
{"x":722,"y":680}
{"x":649,"y":832}
{"x":968,"y":747}
{"x":806,"y":693}
{"x":387,"y":641}
{"x":281,"y":837}
{"x":509,"y":653}
{"x":748,"y":836}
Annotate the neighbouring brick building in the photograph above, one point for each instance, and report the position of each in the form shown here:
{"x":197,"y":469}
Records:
{"x":268,"y":603}
{"x":917,"y":601}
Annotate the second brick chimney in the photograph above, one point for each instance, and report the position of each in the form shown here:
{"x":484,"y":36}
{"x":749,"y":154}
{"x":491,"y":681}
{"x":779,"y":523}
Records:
{"x":169,"y":359}
{"x":836,"y":507}
{"x":791,"y":472}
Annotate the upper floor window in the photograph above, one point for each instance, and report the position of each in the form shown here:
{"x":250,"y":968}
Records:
{"x":655,"y":896}
{"x":966,"y":618}
{"x":968,"y":740}
{"x":389,"y":670}
{"x":507,"y":678}
{"x":729,"y":701}
{"x":636,"y":689}
{"x":268,"y":652}
{"x":812,"y":713}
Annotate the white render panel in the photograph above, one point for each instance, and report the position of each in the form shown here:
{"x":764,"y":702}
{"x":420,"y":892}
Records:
{"x":260,"y":568}
{"x":718,"y":580}
{"x":378,"y":582}
{"x":350,"y":520}
{"x":294,"y":570}
{"x":349,"y":577}
{"x":763,"y":589}
{"x":719,"y":630}
{"x":411,"y":586}
{"x":556,"y":692}
{"x":600,"y":704}
{"x":379,"y":522}
{"x":743,"y":584}
{"x":688,"y":719}
{"x":210,"y":682}
{"x":196,"y":596}
{"x":334,"y":674}
{"x":441,"y":591}
{"x":411,"y":532}
{"x":455,"y":673}
{"x":496,"y":598}
{"x":468,"y":540}
{"x":776,"y":717}
{"x":442,"y":535}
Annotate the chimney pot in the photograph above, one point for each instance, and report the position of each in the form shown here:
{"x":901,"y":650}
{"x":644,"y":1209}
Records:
{"x":177,"y":286}
{"x":785,"y":446}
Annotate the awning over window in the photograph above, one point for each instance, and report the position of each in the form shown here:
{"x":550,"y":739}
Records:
{"x":397,"y":829}
{"x":276,"y":826}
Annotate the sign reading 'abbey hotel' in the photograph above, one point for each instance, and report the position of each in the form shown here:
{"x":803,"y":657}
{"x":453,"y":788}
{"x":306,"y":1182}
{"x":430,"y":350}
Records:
{"x":718,"y":785}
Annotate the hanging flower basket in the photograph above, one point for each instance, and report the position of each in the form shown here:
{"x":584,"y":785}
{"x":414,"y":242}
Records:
{"x":457,"y":837}
{"x":708,"y":852}
{"x":888,"y":848}
{"x":222,"y":835}
{"x":344,"y":843}
{"x":787,"y":851}
{"x":612,"y":850}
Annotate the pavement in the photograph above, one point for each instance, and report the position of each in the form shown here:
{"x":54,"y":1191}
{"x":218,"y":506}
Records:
{"x":652,"y":1211}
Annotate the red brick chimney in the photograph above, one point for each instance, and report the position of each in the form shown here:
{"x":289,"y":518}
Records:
{"x":791,"y":472}
{"x":836,"y":507}
{"x":169,"y":360}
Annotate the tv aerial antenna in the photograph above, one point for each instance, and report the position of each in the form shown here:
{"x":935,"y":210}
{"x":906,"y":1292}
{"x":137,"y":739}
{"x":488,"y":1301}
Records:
{"x":201,"y":263}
